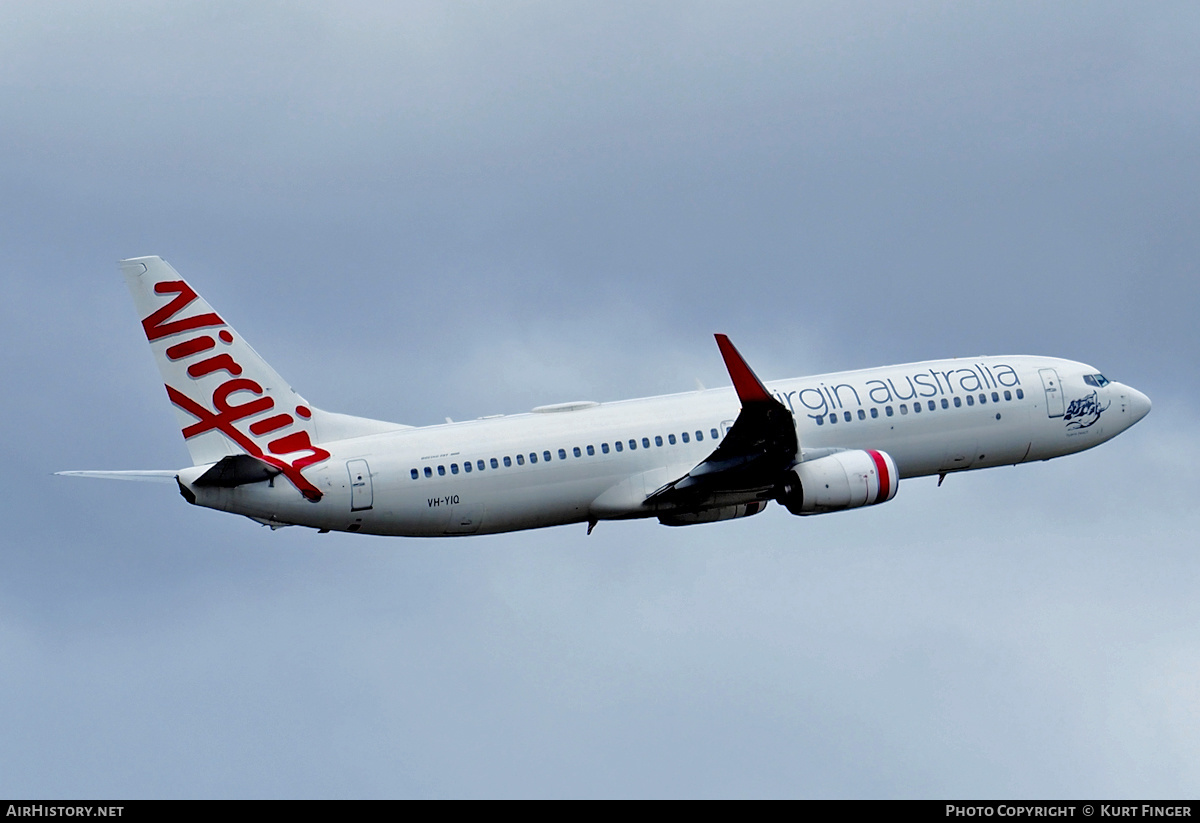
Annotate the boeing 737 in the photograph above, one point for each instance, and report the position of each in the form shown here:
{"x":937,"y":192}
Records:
{"x":815,"y":444}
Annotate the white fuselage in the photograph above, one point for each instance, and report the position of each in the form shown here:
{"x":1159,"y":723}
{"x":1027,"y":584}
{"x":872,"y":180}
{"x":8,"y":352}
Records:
{"x":563,"y":465}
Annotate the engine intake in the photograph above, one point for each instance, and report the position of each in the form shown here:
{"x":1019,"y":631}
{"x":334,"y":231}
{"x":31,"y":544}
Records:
{"x":839,"y":481}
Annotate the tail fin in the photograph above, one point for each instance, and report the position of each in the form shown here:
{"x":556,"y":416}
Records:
{"x":227,"y":399}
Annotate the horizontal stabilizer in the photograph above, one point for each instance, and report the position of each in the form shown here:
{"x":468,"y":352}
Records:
{"x":149,"y":476}
{"x":236,"y":470}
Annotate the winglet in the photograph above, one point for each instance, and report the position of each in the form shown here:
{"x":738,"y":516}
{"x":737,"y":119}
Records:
{"x":749,"y":388}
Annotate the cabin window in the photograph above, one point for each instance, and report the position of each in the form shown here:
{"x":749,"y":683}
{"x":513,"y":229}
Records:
{"x":820,"y":420}
{"x":428,"y":472}
{"x":917,"y":407}
{"x":532,"y":457}
{"x":995,"y":397}
{"x":508,"y":461}
{"x":715,"y":436}
{"x":415,"y":474}
{"x":1020,"y":394}
{"x":604,"y":448}
{"x":889,"y":411}
{"x":479,"y":464}
{"x":970,"y":400}
{"x":699,"y":436}
{"x":520,"y":460}
{"x":958,"y":402}
{"x":467,"y":467}
{"x":546,"y":455}
{"x":577,"y":452}
{"x":983,"y":399}
{"x":862,"y":415}
{"x":441,"y":471}
{"x":874,"y":412}
{"x":1007,"y":394}
{"x":684,"y":437}
{"x":591,"y":451}
{"x":619,"y":446}
{"x":945,"y":403}
{"x":671,"y":439}
{"x":932,"y":406}
{"x":562,"y":454}
{"x":904,"y":408}
{"x":832,"y":419}
{"x":495,"y":465}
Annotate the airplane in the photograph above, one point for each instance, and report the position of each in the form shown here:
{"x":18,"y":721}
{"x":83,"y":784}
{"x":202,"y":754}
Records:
{"x":816,"y":445}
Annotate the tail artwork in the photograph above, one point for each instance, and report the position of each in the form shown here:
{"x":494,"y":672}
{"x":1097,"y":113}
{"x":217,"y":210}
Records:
{"x":234,"y":410}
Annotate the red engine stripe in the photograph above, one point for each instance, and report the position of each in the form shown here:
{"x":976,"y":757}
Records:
{"x":885,"y":478}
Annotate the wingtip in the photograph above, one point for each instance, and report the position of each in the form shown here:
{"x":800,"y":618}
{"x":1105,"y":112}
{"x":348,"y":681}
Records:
{"x":749,"y":388}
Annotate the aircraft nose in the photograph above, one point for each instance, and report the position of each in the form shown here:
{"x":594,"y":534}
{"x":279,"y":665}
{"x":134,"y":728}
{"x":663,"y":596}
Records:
{"x":1139,"y":404}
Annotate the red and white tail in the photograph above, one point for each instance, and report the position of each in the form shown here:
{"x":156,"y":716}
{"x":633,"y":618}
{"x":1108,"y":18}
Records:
{"x":227,"y":399}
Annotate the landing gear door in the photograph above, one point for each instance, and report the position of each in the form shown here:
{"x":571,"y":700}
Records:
{"x":1054,"y":398}
{"x":362,"y":495}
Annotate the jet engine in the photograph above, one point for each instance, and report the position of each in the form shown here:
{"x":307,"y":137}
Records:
{"x":839,"y":481}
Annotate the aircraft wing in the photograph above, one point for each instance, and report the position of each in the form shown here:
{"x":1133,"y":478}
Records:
{"x":756,"y":450}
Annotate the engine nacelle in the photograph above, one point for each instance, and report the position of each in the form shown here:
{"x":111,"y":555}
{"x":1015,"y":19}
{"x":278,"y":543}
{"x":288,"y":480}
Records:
{"x":839,"y":481}
{"x":712,"y":515}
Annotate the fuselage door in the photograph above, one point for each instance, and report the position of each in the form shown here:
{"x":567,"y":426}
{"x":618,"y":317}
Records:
{"x":361,"y":494}
{"x":1054,"y":398}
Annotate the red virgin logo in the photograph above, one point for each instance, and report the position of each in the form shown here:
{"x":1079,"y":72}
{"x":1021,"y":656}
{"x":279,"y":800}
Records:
{"x":237,"y":401}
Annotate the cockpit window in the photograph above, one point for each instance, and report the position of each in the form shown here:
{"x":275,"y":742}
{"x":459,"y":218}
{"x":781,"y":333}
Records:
{"x":1097,"y":380}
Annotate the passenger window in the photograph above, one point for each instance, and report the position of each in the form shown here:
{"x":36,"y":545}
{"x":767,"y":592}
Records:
{"x":604,"y":448}
{"x":467,"y":467}
{"x":441,"y":471}
{"x":684,"y":437}
{"x":995,"y":397}
{"x":520,"y":460}
{"x":619,"y":446}
{"x":715,"y":436}
{"x":508,"y":461}
{"x":888,"y":411}
{"x":1020,"y":394}
{"x":479,"y":463}
{"x":591,"y":451}
{"x":874,"y":413}
{"x":958,"y":402}
{"x":415,"y":474}
{"x":699,"y":436}
{"x":575,"y":451}
{"x":428,"y":472}
{"x":904,"y":408}
{"x":671,"y":439}
{"x":562,"y":454}
{"x":945,"y":403}
{"x":846,"y":416}
{"x":1007,"y":394}
{"x":832,"y":419}
{"x":495,"y":465}
{"x":917,"y":407}
{"x":862,"y":415}
{"x":970,"y":400}
{"x":932,"y":406}
{"x":983,"y":399}
{"x":821,"y":420}
{"x":546,"y":456}
{"x":454,"y":468}
{"x":532,"y":458}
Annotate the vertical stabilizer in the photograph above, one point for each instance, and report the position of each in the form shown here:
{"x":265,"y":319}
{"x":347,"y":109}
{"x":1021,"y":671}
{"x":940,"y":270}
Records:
{"x":227,"y":399}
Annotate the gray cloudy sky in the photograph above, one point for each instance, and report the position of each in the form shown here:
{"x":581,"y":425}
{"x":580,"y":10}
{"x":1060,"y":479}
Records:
{"x":417,"y":210}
